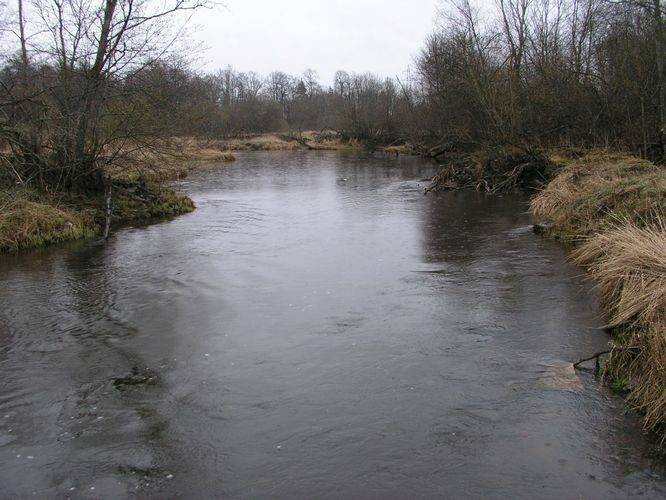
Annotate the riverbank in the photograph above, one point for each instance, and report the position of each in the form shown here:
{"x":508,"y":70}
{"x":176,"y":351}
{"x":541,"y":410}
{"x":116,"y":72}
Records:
{"x":324,"y":140}
{"x":31,"y":219}
{"x":613,"y":207}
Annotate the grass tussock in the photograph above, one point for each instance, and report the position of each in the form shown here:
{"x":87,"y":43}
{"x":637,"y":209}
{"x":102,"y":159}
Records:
{"x":590,"y":193}
{"x":629,"y":264}
{"x":614,"y":206}
{"x":30,"y":221}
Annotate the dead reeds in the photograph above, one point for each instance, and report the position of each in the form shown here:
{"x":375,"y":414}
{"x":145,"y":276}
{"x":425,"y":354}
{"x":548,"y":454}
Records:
{"x":629,"y":265}
{"x":614,"y":206}
{"x":590,"y":193}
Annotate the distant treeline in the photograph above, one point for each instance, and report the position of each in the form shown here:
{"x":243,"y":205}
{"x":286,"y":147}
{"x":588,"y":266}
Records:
{"x":548,"y":72}
{"x":526,"y":72}
{"x":85,"y":85}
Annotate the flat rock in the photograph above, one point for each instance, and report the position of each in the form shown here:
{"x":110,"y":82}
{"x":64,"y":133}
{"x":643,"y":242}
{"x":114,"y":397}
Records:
{"x":560,"y":376}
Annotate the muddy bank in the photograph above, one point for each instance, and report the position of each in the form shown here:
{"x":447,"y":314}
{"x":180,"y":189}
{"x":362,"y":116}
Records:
{"x":613,"y":207}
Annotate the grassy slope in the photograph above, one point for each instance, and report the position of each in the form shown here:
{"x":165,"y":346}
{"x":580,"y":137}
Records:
{"x":614,"y":206}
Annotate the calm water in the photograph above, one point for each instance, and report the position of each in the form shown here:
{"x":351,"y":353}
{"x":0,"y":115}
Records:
{"x":317,"y":328}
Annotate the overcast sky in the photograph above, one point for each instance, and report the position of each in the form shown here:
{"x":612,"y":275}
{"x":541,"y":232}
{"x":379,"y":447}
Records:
{"x":379,"y":36}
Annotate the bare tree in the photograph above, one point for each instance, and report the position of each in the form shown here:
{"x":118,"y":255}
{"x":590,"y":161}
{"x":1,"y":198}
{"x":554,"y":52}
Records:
{"x":86,"y":51}
{"x":311,"y":82}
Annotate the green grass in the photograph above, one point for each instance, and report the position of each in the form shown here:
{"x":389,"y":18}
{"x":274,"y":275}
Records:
{"x":618,"y":385}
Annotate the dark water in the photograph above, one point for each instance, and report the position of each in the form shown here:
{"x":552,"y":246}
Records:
{"x":316,"y":329}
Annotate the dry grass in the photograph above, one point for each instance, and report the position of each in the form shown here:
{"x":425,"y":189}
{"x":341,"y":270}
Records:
{"x":614,"y":205}
{"x":26,"y":222}
{"x":31,"y":219}
{"x":319,"y":140}
{"x":629,"y":265}
{"x":590,"y":193}
{"x":160,"y":160}
{"x":263,"y":142}
{"x":407,"y":149}
{"x":640,"y":362}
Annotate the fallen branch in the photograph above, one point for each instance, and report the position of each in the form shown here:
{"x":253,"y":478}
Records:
{"x":601,"y":353}
{"x":594,"y":356}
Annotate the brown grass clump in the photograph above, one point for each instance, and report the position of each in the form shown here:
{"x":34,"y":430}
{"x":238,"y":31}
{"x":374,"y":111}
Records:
{"x":629,"y":265}
{"x":263,"y":142}
{"x":26,"y":222}
{"x":33,"y":219}
{"x":589,"y":194}
{"x":615,"y":205}
{"x":640,"y":364}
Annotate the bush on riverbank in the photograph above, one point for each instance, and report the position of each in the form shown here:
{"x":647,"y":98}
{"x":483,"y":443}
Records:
{"x":138,"y":201}
{"x":614,"y":205}
{"x":43,"y":214}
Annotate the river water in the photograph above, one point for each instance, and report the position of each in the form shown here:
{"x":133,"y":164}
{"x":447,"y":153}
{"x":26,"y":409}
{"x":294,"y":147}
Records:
{"x":317,"y":328}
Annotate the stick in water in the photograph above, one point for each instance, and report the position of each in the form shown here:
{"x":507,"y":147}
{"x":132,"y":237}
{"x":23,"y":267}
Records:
{"x":107,"y":225}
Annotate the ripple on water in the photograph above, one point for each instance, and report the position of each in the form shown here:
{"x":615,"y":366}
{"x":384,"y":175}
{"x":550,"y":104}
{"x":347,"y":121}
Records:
{"x":312,"y":338}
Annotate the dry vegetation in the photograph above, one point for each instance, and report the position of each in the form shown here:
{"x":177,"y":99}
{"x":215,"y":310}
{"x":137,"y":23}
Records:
{"x":30,"y":219}
{"x":592,"y":193}
{"x":615,"y":206}
{"x":27,"y":221}
{"x":317,"y":140}
{"x":629,"y":265}
{"x":492,"y":170}
{"x":162,"y":160}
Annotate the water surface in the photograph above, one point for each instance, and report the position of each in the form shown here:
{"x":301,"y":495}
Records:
{"x":317,"y":328}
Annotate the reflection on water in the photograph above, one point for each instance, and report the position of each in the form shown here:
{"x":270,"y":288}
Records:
{"x":317,"y":328}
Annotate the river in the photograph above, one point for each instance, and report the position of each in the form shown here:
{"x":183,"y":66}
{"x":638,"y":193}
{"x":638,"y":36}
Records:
{"x":317,"y":328}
